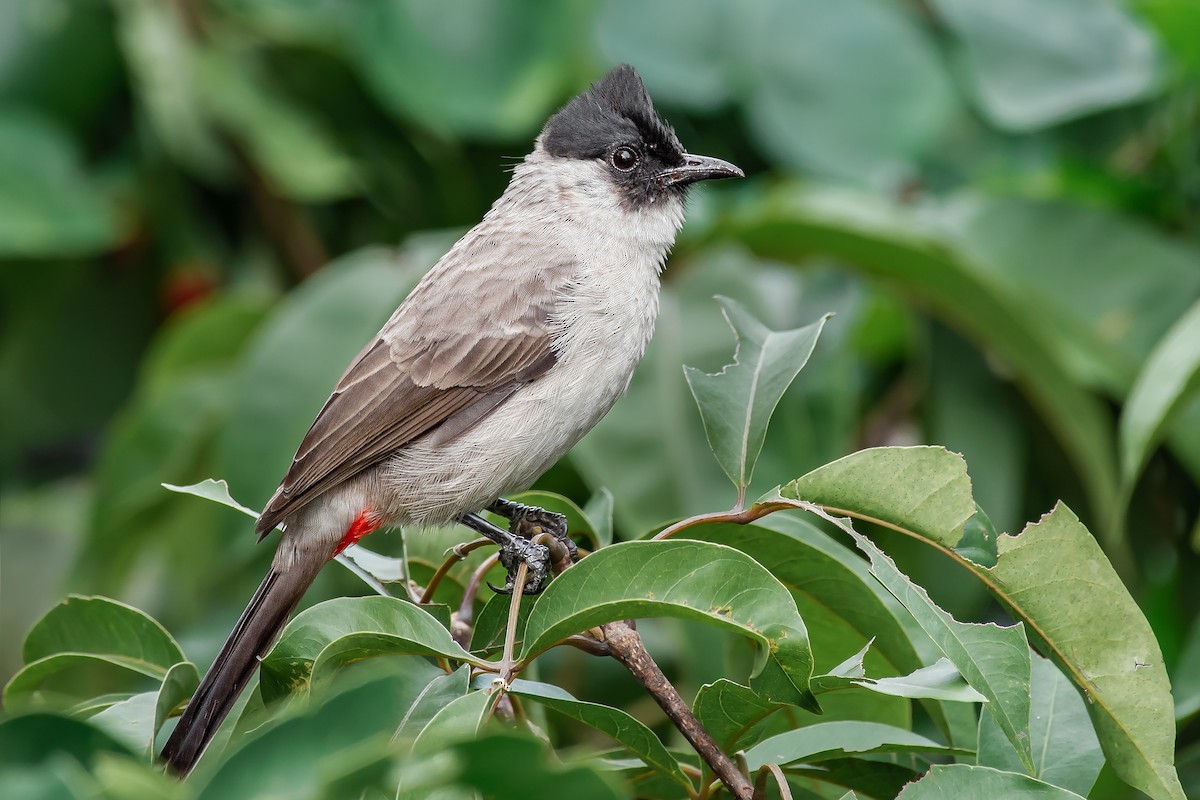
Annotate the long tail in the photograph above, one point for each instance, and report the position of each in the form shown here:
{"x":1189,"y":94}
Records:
{"x":255,"y":632}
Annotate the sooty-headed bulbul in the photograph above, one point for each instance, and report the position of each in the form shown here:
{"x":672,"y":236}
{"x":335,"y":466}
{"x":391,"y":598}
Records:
{"x":506,"y":353}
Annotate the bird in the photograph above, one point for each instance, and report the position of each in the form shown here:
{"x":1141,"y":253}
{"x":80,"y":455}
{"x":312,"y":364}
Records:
{"x":508,"y":350}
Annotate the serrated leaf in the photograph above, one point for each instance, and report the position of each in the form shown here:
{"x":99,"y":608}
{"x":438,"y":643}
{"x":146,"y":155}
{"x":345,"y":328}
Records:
{"x":1064,"y":742}
{"x":955,"y":781}
{"x":347,"y":629}
{"x":926,"y":489}
{"x":932,"y":253}
{"x":1055,"y":577}
{"x":833,"y":739}
{"x":609,"y":720}
{"x":736,"y":403}
{"x":843,"y":606}
{"x":695,"y":580}
{"x":993,"y":659}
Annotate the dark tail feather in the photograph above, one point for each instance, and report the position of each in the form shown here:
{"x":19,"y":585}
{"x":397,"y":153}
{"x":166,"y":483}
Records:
{"x":255,"y":632}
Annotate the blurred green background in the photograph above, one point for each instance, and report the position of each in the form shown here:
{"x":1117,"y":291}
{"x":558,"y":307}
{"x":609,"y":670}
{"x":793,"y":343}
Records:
{"x":207,"y":206}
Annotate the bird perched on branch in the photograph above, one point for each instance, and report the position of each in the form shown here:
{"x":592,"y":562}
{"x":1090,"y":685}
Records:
{"x":511,"y":348}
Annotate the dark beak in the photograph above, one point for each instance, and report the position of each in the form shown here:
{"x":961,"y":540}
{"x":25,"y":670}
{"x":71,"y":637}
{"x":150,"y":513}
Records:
{"x":698,"y":168}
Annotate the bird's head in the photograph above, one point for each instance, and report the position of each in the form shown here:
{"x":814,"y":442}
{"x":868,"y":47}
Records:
{"x":614,"y":126}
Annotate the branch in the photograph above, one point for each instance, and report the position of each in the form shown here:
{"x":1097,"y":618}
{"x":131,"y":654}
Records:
{"x":626,"y":646}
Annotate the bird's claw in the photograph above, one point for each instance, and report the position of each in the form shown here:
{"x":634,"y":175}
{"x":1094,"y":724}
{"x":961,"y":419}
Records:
{"x":529,"y":521}
{"x":535,"y":556}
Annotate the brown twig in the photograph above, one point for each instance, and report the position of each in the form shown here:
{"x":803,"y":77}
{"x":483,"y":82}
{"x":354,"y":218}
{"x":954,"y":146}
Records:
{"x":455,"y":555}
{"x":463,"y":620}
{"x":738,"y":517}
{"x":626,"y":646}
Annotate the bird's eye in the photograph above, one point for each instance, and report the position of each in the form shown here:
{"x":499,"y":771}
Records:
{"x":624,"y":158}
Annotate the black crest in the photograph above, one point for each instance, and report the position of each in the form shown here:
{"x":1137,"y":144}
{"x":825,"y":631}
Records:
{"x":615,"y":110}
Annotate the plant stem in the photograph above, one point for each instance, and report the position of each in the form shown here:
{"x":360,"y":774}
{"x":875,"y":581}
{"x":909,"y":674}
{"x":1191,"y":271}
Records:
{"x":626,"y":646}
{"x":736,"y":516}
{"x":507,"y":663}
{"x":457,"y":553}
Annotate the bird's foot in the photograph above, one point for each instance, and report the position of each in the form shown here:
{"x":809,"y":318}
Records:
{"x":529,"y":521}
{"x":514,"y":551}
{"x":535,"y":556}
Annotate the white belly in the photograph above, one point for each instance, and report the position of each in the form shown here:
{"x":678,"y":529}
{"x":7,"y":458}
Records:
{"x":605,"y":336}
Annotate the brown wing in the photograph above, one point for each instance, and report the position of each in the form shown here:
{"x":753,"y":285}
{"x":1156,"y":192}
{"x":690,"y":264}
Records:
{"x":460,"y":344}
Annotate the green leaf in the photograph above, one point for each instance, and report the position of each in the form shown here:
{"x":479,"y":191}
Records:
{"x":303,"y":752}
{"x":954,"y":781}
{"x":1028,"y":67}
{"x":38,"y":737}
{"x":348,"y":629}
{"x":1185,"y":678}
{"x":599,"y":513}
{"x":478,"y":83}
{"x":843,"y":608}
{"x":940,"y":681}
{"x":993,"y":659}
{"x":694,"y":580}
{"x":812,"y":103}
{"x":48,"y":206}
{"x":1055,"y":578}
{"x":826,"y":740}
{"x":1169,"y":379}
{"x":612,"y":721}
{"x":179,"y":685}
{"x":216,"y":490}
{"x":295,"y":357}
{"x":729,"y":712}
{"x":373,"y":569}
{"x":736,"y":403}
{"x":92,"y":629}
{"x":458,"y":721}
{"x":294,"y":151}
{"x":160,"y":55}
{"x":125,"y":779}
{"x":931,"y":256}
{"x":487,"y":765}
{"x":1064,"y":742}
{"x":137,"y":720}
{"x":439,"y":692}
{"x":923,"y":489}
{"x":487,"y":636}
